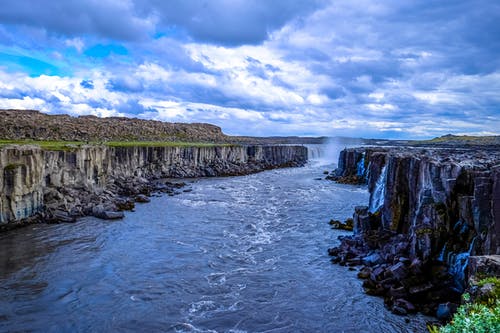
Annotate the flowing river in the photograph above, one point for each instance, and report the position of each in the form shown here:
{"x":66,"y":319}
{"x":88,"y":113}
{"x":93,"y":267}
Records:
{"x":238,"y":254}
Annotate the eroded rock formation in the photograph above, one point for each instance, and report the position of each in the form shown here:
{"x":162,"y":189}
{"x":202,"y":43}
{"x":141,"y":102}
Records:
{"x":429,"y":210}
{"x":97,"y":180}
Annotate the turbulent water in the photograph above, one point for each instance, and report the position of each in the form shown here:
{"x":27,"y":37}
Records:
{"x":242,"y":254}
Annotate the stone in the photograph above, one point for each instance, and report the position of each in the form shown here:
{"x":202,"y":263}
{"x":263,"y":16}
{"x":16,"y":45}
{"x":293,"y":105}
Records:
{"x":406,"y":305}
{"x":446,"y":310}
{"x":364,"y":273}
{"x":397,"y":292}
{"x":377,"y":273}
{"x":373,"y":259}
{"x":108,"y":215}
{"x":141,"y":198}
{"x":398,"y":271}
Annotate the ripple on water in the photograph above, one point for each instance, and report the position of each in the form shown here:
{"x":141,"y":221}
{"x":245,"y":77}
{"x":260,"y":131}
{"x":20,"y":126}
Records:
{"x":243,"y":254}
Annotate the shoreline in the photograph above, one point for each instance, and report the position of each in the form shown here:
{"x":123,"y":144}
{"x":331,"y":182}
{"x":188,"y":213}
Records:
{"x":59,"y":186}
{"x":431,"y":213}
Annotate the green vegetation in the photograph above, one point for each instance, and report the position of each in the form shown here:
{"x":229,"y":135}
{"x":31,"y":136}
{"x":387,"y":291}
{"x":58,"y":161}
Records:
{"x":69,"y":145}
{"x":163,"y":144}
{"x":462,"y":139}
{"x":12,"y":166}
{"x":481,"y":316}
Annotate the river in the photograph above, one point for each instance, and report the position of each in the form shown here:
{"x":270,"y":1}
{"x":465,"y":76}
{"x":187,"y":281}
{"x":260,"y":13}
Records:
{"x":236,"y":254}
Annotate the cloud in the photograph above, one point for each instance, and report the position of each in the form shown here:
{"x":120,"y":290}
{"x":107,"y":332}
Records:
{"x":385,"y":69}
{"x":105,"y":18}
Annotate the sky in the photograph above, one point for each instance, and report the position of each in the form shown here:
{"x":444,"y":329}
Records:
{"x":380,"y":69}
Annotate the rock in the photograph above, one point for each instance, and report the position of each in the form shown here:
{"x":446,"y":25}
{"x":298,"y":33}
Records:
{"x":141,"y":198}
{"x":398,"y":271}
{"x":364,"y":273}
{"x":421,"y":288}
{"x":446,"y":310}
{"x":373,"y":259}
{"x":399,"y":311}
{"x":124,"y":204}
{"x":108,"y":215}
{"x":398,"y":292}
{"x":377,"y":273}
{"x":404,"y":304}
{"x":61,"y":216}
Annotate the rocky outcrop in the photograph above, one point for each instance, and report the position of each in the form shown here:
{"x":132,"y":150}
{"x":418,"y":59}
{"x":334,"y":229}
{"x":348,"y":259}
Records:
{"x":429,"y":210}
{"x":35,"y":125}
{"x":97,"y":180}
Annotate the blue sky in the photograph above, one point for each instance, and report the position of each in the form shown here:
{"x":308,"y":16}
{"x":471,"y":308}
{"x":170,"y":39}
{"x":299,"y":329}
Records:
{"x":391,"y":69}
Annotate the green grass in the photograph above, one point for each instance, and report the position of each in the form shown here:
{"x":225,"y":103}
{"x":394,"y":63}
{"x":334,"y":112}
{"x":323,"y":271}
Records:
{"x":481,"y":316}
{"x":162,"y":144}
{"x":464,"y":139}
{"x":69,"y":145}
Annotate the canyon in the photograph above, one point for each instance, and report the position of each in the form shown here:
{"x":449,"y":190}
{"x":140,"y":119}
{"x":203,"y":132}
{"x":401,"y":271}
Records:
{"x":52,"y":186}
{"x":430,"y":211}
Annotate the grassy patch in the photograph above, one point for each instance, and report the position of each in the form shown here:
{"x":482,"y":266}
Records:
{"x":69,"y":145}
{"x":162,"y":144}
{"x":481,"y":316}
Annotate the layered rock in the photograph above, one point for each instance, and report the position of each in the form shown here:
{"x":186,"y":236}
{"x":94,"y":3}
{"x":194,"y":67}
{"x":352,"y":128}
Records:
{"x":429,"y":210}
{"x":93,"y":180}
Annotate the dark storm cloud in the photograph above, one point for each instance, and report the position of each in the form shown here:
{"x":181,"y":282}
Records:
{"x":112,"y":19}
{"x":216,"y":21}
{"x":226,"y":22}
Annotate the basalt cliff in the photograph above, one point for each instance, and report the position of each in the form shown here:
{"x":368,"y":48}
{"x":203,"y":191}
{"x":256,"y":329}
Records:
{"x":430,"y":211}
{"x":51,"y":186}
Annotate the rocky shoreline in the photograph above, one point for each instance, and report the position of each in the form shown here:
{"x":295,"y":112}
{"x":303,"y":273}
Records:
{"x":431,"y":213}
{"x":59,"y":186}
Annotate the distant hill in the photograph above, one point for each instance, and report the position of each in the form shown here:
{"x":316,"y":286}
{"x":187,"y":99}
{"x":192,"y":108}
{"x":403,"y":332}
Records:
{"x":21,"y":125}
{"x":450,"y":139}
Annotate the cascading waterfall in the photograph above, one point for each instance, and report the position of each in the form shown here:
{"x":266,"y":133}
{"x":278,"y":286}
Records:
{"x":457,"y":263}
{"x":360,"y":167}
{"x":315,"y":152}
{"x":378,"y":195}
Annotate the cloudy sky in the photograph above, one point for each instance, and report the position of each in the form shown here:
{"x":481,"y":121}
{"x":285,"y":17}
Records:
{"x":394,"y":69}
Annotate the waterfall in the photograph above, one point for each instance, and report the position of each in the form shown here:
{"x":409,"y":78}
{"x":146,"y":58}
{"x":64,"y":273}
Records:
{"x":378,"y":195}
{"x":360,"y":167}
{"x":458,"y":264}
{"x":315,"y":152}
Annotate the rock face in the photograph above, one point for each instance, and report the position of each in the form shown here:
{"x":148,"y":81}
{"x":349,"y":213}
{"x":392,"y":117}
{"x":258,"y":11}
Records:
{"x":60,"y":185}
{"x":429,"y":210}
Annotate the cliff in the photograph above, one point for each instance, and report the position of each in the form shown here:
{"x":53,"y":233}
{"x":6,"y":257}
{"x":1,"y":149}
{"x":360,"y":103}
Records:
{"x":97,"y":180}
{"x":429,"y":210}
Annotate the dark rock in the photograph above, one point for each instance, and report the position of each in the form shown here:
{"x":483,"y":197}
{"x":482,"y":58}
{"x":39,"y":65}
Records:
{"x":373,"y":259}
{"x":421,"y":288}
{"x":364,"y":273}
{"x":141,"y":198}
{"x":62,"y":216}
{"x":377,"y":273}
{"x":446,"y":310}
{"x":124,"y":204}
{"x":398,"y":292}
{"x":399,"y":311}
{"x":404,"y":304}
{"x":109,"y":215}
{"x":399,"y":271}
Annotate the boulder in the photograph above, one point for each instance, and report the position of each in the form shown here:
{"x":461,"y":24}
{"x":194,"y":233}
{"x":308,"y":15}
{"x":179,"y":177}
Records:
{"x":141,"y":198}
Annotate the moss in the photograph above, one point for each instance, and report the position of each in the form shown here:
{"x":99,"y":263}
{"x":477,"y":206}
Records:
{"x":424,"y":231}
{"x":12,"y":166}
{"x":72,"y":145}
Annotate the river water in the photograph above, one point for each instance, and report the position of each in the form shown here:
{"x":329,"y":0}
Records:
{"x":238,"y":254}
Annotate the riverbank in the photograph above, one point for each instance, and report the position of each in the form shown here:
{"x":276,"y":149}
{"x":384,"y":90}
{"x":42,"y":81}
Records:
{"x":429,"y":211}
{"x":61,"y":185}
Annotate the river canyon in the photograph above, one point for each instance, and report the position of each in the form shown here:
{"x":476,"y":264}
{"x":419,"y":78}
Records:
{"x":232,"y":254}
